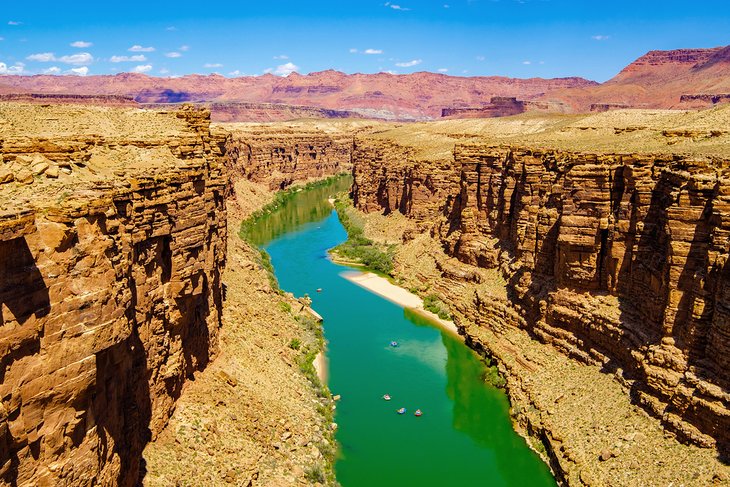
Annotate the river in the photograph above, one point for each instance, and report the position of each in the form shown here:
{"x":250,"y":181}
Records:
{"x":464,"y":437}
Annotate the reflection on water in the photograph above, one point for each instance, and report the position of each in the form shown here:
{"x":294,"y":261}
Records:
{"x":297,"y":208}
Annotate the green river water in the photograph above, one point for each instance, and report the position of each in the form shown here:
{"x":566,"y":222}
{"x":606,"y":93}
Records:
{"x":464,"y":438}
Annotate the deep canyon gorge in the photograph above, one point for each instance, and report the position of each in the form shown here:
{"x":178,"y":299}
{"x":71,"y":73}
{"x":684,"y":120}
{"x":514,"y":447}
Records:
{"x":142,"y":339}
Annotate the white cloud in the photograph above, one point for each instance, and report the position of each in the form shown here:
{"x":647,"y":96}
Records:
{"x":81,"y":44}
{"x":390,"y":71}
{"x":17,"y":68}
{"x":52,"y":70}
{"x":138,"y":48}
{"x":409,"y":64}
{"x":526,"y":63}
{"x":481,"y":58}
{"x":447,"y":6}
{"x":282,"y":56}
{"x":600,"y":38}
{"x":443,"y":70}
{"x":184,"y":48}
{"x":283,"y":70}
{"x":42,"y":57}
{"x":164,"y":71}
{"x":82,"y":71}
{"x":212,"y":65}
{"x":172,"y":28}
{"x":373,"y":51}
{"x":137,"y":58}
{"x":142,"y":68}
{"x":2,"y":38}
{"x":79,"y":59}
{"x":235,"y":73}
{"x":396,"y":7}
{"x":353,"y":50}
{"x":14,"y":22}
{"x":173,"y":54}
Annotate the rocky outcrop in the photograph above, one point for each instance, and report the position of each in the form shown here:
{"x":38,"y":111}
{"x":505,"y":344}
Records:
{"x":260,"y":112}
{"x":499,"y":106}
{"x":704,"y":100}
{"x":279,"y":157}
{"x":615,"y":259}
{"x":102,"y":100}
{"x":110,"y":289}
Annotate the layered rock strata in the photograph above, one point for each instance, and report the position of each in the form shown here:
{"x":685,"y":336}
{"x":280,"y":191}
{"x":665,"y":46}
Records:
{"x":615,"y":259}
{"x":110,"y":286}
{"x":280,"y":156}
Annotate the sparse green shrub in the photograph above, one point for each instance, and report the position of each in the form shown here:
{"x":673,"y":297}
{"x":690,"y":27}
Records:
{"x":285,"y":307}
{"x":315,"y":474}
{"x":295,"y":343}
{"x":494,"y":378}
{"x":433,"y":304}
{"x":358,"y":247}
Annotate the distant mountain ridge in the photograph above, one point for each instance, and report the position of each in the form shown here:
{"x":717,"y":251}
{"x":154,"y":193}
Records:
{"x":414,"y":96}
{"x":658,"y":79}
{"x":682,"y":78}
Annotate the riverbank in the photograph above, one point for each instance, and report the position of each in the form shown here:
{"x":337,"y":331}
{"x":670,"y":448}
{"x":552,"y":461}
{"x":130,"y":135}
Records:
{"x":402,"y":297}
{"x":578,"y":417}
{"x":251,"y":417}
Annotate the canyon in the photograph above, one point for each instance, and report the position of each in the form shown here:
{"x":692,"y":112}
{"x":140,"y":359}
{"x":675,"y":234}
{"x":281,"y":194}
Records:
{"x":586,"y":254}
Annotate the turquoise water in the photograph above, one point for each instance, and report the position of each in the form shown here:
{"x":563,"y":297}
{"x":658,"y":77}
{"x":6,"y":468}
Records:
{"x":464,"y":437}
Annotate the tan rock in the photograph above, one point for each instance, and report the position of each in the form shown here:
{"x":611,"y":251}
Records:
{"x":24,"y":176}
{"x":6,"y":176}
{"x":52,"y":172}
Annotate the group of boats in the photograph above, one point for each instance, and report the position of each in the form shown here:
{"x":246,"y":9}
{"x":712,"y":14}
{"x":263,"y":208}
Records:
{"x":387,"y":397}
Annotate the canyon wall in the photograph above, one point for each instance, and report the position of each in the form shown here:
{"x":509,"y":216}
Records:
{"x":281,"y":156}
{"x":110,"y":284}
{"x":618,"y":260}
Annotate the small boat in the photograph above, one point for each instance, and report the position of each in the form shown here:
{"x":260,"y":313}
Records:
{"x":386,"y":397}
{"x":393,"y":344}
{"x":401,"y":411}
{"x":319,"y":289}
{"x":418,"y":413}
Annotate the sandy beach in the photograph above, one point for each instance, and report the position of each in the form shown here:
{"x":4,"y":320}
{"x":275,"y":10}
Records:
{"x":320,"y":365}
{"x":402,"y":297}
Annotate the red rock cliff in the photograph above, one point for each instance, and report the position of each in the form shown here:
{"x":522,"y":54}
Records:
{"x":615,"y":259}
{"x":110,"y":288}
{"x":281,"y":156}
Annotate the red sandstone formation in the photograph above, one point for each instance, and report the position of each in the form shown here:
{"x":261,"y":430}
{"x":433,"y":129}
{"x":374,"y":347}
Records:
{"x":615,"y":259}
{"x":413,"y":96}
{"x":279,"y":157}
{"x":110,"y":286}
{"x":658,"y":79}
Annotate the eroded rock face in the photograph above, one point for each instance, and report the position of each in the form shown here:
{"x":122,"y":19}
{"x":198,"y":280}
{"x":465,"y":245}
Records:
{"x":615,"y":259}
{"x":110,"y":298}
{"x":280,"y":156}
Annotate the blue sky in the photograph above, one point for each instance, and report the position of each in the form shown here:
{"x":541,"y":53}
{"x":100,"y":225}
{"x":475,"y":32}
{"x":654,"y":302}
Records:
{"x":518,"y":38}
